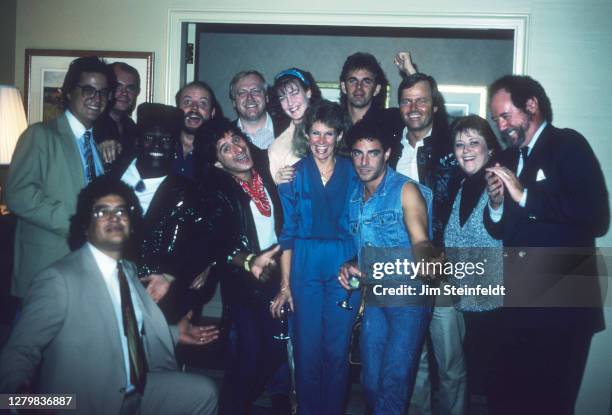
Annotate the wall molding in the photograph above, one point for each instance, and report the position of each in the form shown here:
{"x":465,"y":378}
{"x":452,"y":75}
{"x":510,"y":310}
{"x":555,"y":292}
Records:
{"x":517,"y":22}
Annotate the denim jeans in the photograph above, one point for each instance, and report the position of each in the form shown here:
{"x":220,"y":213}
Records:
{"x":391,"y":340}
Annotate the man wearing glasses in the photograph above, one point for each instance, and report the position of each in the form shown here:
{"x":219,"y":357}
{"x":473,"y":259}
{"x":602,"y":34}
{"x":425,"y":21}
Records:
{"x":52,"y":162}
{"x":249,"y":94}
{"x":115,"y":131}
{"x":89,"y":329}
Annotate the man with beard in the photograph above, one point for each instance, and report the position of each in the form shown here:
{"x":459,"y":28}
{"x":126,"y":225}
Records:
{"x":171,"y":247}
{"x":115,"y":131}
{"x":52,"y":162}
{"x":244,"y":218}
{"x":249,"y":94}
{"x":425,"y":155}
{"x":89,"y":328}
{"x":548,"y":192}
{"x":198,"y":103}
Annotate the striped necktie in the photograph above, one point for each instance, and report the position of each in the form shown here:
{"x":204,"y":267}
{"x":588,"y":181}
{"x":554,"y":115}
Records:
{"x":138,"y":363}
{"x":90,"y":166}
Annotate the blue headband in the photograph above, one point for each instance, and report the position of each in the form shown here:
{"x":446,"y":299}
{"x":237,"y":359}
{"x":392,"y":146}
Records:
{"x":294,"y":73}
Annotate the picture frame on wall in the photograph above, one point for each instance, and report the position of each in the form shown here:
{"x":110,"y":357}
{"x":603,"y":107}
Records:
{"x":45,"y":70}
{"x":461,"y":100}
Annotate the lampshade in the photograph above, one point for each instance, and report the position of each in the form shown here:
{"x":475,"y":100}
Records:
{"x":12,"y":121}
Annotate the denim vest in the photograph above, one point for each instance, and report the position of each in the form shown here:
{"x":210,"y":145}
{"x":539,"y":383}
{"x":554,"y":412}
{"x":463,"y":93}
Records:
{"x":379,"y":222}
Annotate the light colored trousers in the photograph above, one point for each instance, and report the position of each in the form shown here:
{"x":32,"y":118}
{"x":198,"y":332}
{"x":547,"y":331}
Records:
{"x":447,"y":331}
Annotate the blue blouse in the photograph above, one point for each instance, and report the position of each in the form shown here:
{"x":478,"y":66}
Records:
{"x":314,"y":211}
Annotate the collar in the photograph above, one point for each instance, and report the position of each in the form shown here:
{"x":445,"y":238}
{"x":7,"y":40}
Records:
{"x":106,"y":264}
{"x":419,"y":143}
{"x":77,"y":128}
{"x":535,"y":137}
{"x":381,"y":190}
{"x":267,"y":126}
{"x":131,"y":176}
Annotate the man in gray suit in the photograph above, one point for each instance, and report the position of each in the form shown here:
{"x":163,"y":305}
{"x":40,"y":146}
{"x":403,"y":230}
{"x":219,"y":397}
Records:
{"x":89,"y":328}
{"x":52,"y":162}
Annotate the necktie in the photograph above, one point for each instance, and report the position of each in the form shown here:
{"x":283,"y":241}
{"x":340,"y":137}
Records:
{"x":524,"y":153}
{"x":89,"y":160}
{"x":138,"y":364}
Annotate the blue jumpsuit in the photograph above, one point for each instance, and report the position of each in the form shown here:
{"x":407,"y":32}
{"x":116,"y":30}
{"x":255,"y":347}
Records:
{"x":316,"y":230}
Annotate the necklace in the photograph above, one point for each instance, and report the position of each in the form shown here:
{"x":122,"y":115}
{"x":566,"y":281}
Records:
{"x":326,"y":175}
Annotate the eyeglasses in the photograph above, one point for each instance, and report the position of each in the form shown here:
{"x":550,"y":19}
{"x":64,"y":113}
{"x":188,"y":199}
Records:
{"x":89,"y":91}
{"x":130,"y":89}
{"x":255,"y":93}
{"x":107,"y":212}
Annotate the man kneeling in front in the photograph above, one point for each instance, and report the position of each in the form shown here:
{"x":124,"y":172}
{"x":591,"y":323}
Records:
{"x":93,"y":330}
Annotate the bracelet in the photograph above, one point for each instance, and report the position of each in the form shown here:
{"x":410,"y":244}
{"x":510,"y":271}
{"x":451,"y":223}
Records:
{"x":247,"y":262}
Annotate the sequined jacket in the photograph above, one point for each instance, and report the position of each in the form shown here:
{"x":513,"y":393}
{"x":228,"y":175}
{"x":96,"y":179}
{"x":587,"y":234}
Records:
{"x":173,"y":240}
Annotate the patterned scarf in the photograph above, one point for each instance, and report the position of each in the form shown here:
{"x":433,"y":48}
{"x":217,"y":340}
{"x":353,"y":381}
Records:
{"x":255,"y":189}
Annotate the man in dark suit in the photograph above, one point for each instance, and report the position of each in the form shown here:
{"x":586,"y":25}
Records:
{"x":548,"y":202}
{"x":52,"y":162}
{"x":90,"y":329}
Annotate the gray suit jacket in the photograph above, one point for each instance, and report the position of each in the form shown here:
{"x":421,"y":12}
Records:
{"x":45,"y":177}
{"x":69,"y":329}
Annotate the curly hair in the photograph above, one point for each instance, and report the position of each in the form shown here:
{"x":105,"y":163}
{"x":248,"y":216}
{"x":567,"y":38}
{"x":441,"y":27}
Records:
{"x":94,"y":191}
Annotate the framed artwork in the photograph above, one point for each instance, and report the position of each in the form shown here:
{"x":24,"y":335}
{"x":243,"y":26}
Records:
{"x":45,"y":70}
{"x":331,"y":92}
{"x":463,"y":100}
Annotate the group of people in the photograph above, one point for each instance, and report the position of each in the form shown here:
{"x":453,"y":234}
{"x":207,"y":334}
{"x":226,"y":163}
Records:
{"x":282,"y":207}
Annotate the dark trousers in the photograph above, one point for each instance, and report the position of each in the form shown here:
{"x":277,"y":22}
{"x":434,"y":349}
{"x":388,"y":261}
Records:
{"x":538,"y":370}
{"x":254,"y":358}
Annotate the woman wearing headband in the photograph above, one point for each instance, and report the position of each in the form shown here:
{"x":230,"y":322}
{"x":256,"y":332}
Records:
{"x":294,"y":90}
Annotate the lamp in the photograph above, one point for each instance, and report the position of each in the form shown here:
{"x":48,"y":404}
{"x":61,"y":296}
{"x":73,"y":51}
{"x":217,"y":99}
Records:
{"x":12,"y":121}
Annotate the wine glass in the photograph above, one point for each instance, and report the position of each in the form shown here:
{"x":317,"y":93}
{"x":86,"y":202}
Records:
{"x":283,"y":335}
{"x":354,"y":283}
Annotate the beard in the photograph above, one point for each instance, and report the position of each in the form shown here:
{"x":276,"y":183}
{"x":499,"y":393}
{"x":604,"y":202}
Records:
{"x":192,"y":114}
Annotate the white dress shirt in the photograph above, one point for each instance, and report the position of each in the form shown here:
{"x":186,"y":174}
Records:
{"x":108,"y":269}
{"x":131,"y":177}
{"x":78,"y":130}
{"x":407,"y":163}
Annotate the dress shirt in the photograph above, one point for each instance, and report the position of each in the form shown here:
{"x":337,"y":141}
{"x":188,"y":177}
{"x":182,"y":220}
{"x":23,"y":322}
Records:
{"x":131,"y":177}
{"x":78,"y":130}
{"x":496,"y":214}
{"x":407,"y":163}
{"x":263,"y":137}
{"x":108,"y":269}
{"x":266,"y":234}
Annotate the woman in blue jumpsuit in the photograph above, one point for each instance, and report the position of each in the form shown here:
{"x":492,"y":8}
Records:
{"x":316,"y":242}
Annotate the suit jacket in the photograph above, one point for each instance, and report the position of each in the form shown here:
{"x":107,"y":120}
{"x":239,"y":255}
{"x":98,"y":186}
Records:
{"x":566,"y":209}
{"x":45,"y":177}
{"x":69,"y":329}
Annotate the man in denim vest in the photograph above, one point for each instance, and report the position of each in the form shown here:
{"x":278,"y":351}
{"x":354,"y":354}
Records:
{"x":393,"y":326}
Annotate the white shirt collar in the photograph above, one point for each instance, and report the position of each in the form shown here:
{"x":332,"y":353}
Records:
{"x":419,"y":143}
{"x":77,"y":128}
{"x":535,"y":137}
{"x":106,"y":264}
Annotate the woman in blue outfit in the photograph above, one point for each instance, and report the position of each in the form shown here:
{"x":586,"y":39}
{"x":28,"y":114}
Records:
{"x":315,"y":240}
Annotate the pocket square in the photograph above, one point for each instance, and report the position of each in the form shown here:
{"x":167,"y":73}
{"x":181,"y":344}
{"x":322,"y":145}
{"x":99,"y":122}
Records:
{"x":540,"y":176}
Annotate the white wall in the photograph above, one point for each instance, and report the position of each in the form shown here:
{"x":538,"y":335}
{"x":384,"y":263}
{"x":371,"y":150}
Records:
{"x":568,"y":52}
